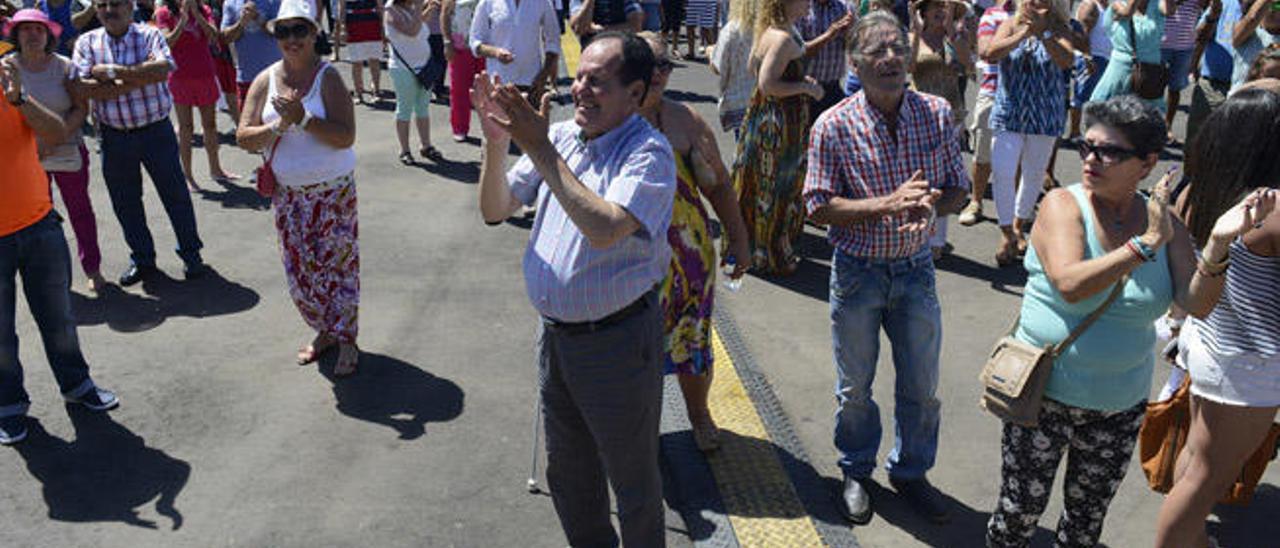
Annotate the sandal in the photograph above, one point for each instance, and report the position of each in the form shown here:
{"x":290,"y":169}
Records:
{"x":406,"y":158}
{"x":312,"y":352}
{"x":429,"y":152}
{"x":347,"y":363}
{"x":1007,"y":257}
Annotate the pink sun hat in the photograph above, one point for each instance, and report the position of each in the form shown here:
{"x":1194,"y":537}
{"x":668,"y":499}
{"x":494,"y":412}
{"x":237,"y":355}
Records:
{"x":31,"y":15}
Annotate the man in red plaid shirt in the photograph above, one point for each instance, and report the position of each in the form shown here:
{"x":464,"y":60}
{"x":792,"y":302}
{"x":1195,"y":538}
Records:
{"x":883,"y":164}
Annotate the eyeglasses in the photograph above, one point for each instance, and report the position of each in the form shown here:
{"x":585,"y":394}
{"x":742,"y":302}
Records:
{"x":1109,"y":154}
{"x":298,"y":30}
{"x":664,"y":64}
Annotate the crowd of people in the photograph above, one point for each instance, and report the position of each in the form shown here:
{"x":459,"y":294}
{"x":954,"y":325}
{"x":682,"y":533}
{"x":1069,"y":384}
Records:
{"x":848,"y":115}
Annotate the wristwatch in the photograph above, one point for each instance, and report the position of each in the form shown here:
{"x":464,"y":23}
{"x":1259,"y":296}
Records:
{"x":306,"y":117}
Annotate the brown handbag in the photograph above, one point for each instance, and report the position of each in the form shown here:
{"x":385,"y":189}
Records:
{"x":1164,"y":433}
{"x":1016,"y":373}
{"x":1148,"y":80}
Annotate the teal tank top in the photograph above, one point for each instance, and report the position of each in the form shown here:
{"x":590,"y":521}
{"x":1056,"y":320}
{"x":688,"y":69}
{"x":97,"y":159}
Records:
{"x":1109,"y":367}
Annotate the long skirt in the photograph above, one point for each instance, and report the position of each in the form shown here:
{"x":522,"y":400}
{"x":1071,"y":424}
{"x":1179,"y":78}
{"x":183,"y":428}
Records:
{"x":319,"y":230}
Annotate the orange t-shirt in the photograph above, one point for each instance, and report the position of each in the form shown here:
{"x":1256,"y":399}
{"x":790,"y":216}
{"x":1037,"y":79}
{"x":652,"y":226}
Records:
{"x":24,"y":186}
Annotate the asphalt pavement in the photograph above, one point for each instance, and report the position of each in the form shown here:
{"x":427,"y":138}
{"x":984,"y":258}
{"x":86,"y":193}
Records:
{"x":222,"y":441}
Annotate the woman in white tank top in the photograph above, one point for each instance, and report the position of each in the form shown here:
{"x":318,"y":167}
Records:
{"x":298,"y":112}
{"x":410,"y":52}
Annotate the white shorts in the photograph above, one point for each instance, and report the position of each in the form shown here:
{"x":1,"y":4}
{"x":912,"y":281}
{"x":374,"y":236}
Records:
{"x":364,"y":51}
{"x":1245,"y":380}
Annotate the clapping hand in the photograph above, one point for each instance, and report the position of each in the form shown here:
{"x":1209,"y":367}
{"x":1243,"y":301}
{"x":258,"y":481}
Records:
{"x":1159,"y":220}
{"x":290,"y":108}
{"x":917,"y":200}
{"x":1248,"y":214}
{"x":482,"y":89}
{"x":527,"y":127}
{"x":10,"y":80}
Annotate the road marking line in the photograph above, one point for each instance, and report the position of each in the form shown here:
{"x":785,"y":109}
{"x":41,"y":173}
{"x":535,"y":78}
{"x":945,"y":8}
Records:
{"x":761,"y":502}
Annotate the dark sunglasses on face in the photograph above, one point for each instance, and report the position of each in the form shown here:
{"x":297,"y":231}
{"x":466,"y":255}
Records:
{"x":1109,"y":154}
{"x":298,"y":30}
{"x":664,"y":64}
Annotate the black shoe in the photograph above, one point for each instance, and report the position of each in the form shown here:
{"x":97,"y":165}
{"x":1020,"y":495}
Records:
{"x":194,"y":271}
{"x":855,"y":501}
{"x":137,"y":273}
{"x":923,"y":498}
{"x":13,"y":429}
{"x":97,"y":399}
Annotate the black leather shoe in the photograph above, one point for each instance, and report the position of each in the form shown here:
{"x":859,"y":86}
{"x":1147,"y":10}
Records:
{"x":194,"y":271}
{"x":136,"y":274}
{"x":923,"y":498}
{"x":855,"y":501}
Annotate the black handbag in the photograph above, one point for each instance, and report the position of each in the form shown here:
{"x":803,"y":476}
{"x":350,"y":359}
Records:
{"x":1148,"y":80}
{"x":324,"y":46}
{"x":427,"y":74}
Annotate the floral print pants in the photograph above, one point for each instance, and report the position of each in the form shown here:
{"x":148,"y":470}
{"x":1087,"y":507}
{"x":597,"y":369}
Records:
{"x":1098,"y":445}
{"x":319,"y":245}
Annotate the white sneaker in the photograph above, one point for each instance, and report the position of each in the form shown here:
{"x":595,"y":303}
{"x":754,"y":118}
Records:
{"x":971,"y":213}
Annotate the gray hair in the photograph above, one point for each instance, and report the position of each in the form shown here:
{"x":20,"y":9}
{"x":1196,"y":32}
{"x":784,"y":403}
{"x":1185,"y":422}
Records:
{"x":1140,"y":122}
{"x":873,"y":20}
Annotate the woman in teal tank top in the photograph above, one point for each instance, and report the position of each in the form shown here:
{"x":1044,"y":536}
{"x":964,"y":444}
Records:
{"x":1088,"y":238}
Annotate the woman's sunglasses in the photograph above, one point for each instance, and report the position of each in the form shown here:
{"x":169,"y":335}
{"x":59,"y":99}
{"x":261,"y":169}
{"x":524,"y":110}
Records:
{"x":297,"y":30}
{"x":1109,"y":154}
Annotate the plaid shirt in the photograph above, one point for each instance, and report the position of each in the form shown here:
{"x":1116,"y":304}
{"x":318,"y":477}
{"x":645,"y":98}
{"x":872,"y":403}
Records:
{"x":852,"y":156}
{"x":141,"y":43}
{"x":828,"y":64}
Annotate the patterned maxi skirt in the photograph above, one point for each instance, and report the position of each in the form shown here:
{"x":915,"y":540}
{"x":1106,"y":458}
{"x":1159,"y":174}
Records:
{"x":319,"y":229}
{"x":769,"y":176}
{"x":688,"y":292}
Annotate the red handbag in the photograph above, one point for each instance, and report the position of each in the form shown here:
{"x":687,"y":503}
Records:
{"x":265,"y":176}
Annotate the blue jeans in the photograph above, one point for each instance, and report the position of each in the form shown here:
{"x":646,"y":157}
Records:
{"x":154,"y":147}
{"x":898,"y":296}
{"x":39,"y":254}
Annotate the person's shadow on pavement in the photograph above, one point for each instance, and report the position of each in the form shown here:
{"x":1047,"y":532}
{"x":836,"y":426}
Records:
{"x":235,"y":196}
{"x":162,"y":297}
{"x":390,"y":392}
{"x":104,"y":474}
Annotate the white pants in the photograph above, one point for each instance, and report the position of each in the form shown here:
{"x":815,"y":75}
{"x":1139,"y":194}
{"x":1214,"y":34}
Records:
{"x":1008,"y":151}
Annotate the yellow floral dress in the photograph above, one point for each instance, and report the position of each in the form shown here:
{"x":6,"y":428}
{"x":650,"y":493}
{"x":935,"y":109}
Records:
{"x":688,"y":292}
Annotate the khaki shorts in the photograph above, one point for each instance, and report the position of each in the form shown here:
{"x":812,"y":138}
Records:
{"x":980,"y":130}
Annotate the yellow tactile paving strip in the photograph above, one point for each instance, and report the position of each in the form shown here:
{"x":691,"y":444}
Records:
{"x":758,"y":495}
{"x":571,"y":50}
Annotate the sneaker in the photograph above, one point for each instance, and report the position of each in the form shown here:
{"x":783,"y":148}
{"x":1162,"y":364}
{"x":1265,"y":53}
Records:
{"x":459,"y":138}
{"x":923,"y":498}
{"x":13,"y":429}
{"x":97,"y":399}
{"x":194,"y":271}
{"x":971,"y":214}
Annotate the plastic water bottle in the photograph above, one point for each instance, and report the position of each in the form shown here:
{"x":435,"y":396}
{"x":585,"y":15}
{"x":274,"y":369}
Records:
{"x":731,"y":283}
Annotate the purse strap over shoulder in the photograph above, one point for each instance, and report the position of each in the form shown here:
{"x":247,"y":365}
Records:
{"x":1092,"y":317}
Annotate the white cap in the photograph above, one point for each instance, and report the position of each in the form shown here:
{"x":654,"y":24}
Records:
{"x":295,"y":9}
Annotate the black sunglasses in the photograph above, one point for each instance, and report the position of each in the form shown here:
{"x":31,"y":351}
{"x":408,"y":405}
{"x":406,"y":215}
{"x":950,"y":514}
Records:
{"x":1109,"y":154}
{"x":664,"y":64}
{"x":297,"y":30}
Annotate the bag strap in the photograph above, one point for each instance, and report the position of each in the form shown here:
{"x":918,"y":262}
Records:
{"x":310,"y":82}
{"x":1092,"y":317}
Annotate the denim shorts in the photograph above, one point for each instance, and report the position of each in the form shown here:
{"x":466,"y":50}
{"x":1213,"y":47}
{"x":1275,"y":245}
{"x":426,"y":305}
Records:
{"x":1179,"y":63}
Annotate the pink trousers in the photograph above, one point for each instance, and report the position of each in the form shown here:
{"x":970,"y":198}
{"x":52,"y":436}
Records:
{"x":74,"y":188}
{"x":462,"y":71}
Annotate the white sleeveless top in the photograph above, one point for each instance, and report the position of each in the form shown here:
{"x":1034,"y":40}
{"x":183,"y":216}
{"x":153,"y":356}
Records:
{"x":301,"y":159}
{"x":416,"y":50}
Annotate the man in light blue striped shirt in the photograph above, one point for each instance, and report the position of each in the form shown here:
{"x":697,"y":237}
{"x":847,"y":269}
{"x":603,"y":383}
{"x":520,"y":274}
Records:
{"x":604,"y":185}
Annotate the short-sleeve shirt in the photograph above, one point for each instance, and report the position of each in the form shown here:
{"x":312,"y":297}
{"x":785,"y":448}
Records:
{"x":987,"y":27}
{"x":256,"y":49}
{"x":141,"y":43}
{"x":1030,"y":93}
{"x":1218,"y":62}
{"x":828,"y":64}
{"x":1247,"y":53}
{"x":191,"y":51}
{"x":853,"y":156}
{"x":527,"y":29}
{"x":24,"y":186}
{"x":632,"y":166}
